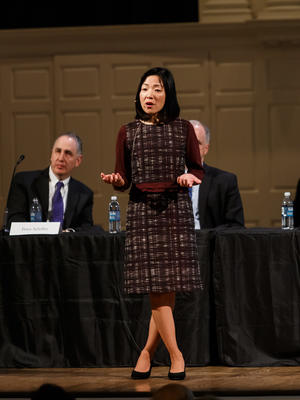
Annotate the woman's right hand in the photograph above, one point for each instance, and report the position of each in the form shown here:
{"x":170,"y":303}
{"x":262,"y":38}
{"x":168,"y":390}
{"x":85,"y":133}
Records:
{"x":114,"y":178}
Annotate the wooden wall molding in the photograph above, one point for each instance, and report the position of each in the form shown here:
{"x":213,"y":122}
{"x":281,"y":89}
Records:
{"x":135,"y":39}
{"x":280,"y":10}
{"x":226,"y":11}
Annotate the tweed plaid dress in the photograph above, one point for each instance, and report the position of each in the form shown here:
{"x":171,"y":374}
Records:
{"x":160,"y":248}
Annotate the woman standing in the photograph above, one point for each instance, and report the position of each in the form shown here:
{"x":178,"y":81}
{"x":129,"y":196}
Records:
{"x":152,"y":155}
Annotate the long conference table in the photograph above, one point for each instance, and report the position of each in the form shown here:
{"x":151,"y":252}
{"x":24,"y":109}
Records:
{"x":62,"y":305}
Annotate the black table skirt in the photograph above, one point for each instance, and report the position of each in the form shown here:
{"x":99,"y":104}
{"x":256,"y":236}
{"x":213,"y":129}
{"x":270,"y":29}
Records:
{"x":61,"y":305}
{"x":257,"y":297}
{"x":61,"y":302}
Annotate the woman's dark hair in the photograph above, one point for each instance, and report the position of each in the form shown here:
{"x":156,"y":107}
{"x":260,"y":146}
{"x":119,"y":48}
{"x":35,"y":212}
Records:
{"x":171,"y":108}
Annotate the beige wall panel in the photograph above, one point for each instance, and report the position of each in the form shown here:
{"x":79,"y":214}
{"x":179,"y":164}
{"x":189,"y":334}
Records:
{"x":234,"y":77}
{"x":29,"y":108}
{"x":284,"y":146}
{"x":27,"y":123}
{"x":78,"y":84}
{"x":82,"y":82}
{"x":78,"y":77}
{"x":283,"y":73}
{"x":233,"y":87}
{"x":235,"y":148}
{"x":235,"y":143}
{"x":30,"y":84}
{"x":32,"y":138}
{"x":282,"y":110}
{"x":283,"y":102}
{"x":190,"y":78}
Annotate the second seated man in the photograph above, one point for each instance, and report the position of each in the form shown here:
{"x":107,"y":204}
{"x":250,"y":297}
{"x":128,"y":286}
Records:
{"x":216,"y":201}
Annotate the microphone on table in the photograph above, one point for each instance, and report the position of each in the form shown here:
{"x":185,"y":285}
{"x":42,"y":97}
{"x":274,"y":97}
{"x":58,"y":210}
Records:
{"x":5,"y":227}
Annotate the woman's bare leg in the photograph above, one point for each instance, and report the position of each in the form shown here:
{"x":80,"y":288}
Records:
{"x":162,"y":311}
{"x":144,"y":360}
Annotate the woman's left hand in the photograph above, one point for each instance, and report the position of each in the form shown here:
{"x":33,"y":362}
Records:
{"x":114,"y":178}
{"x":188,"y":180}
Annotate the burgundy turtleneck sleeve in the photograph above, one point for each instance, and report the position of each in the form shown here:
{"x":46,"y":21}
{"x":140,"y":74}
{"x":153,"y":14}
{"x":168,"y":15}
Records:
{"x":123,"y":163}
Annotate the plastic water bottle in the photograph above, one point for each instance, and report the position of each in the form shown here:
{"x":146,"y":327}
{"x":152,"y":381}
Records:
{"x":35,"y":211}
{"x":287,"y":212}
{"x":114,"y":215}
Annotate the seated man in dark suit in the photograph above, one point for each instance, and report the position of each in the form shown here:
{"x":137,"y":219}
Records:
{"x":297,"y":207}
{"x":74,"y":198}
{"x":216,"y":201}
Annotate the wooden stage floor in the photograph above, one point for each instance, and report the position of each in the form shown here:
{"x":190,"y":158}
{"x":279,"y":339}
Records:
{"x":116,"y":382}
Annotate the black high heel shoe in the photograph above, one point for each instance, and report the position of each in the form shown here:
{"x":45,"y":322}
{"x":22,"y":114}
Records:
{"x":176,"y":376}
{"x":141,"y":375}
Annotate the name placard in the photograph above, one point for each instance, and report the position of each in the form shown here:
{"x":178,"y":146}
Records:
{"x":34,"y":228}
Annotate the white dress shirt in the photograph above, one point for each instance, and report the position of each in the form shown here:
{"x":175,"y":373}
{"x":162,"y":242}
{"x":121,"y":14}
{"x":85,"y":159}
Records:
{"x":195,"y":204}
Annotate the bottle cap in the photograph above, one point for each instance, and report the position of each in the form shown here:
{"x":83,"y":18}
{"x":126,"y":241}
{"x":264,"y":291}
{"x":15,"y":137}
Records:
{"x":113,"y":198}
{"x":287,"y":193}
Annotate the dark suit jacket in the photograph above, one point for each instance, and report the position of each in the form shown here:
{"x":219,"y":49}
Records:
{"x":29,"y":184}
{"x":297,"y":206}
{"x":220,"y":203}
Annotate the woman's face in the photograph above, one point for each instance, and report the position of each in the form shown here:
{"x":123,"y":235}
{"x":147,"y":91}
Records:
{"x":152,"y":95}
